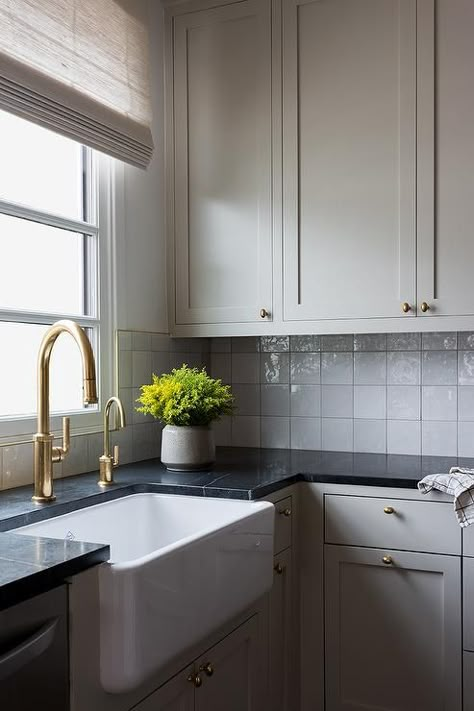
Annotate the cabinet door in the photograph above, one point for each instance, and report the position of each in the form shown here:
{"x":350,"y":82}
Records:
{"x":446,"y":156}
{"x":393,"y":632}
{"x":222,"y":117}
{"x":349,"y":73}
{"x":282,"y":682}
{"x":231,"y":672}
{"x":176,"y":695}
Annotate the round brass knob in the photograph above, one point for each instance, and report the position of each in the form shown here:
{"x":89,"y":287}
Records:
{"x":195,"y":679}
{"x":285,"y":512}
{"x":264,"y":313}
{"x":424,"y":306}
{"x":207,"y":668}
{"x":387,"y":559}
{"x":278,"y":568}
{"x":406,"y":307}
{"x":389,"y":510}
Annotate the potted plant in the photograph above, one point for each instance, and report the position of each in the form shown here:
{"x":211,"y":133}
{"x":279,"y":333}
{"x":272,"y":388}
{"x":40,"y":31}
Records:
{"x":186,"y":400}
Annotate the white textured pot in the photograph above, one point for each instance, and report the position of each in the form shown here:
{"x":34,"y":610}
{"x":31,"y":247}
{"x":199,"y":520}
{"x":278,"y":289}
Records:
{"x":187,"y":448}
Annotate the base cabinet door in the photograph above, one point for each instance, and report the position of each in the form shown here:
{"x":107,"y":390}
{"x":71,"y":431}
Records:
{"x":231,"y":672}
{"x":393,"y":630}
{"x":176,"y":695}
{"x":281,"y":652}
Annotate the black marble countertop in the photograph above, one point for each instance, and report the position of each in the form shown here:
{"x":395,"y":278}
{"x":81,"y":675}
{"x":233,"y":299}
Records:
{"x":33,"y":564}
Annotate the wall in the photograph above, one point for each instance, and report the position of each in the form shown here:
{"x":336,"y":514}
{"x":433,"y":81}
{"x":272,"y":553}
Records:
{"x":394,"y":393}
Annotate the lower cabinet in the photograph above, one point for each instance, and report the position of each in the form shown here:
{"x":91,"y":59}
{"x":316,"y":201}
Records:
{"x":468,"y":666}
{"x":393,"y":630}
{"x":281,"y":647}
{"x":227,"y":677}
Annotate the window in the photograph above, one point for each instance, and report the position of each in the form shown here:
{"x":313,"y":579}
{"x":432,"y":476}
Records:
{"x":55,"y":265}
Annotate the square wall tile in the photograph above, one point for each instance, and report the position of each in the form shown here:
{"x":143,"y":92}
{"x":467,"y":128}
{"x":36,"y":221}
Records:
{"x":403,"y":402}
{"x":141,"y":341}
{"x":223,"y":432}
{"x":220,"y":345}
{"x":466,"y":367}
{"x":370,"y":342}
{"x":246,"y":398}
{"x":246,"y":431}
{"x":337,"y":435}
{"x":305,"y":368}
{"x":141,"y":368}
{"x":370,"y":402}
{"x":440,"y":368}
{"x":370,"y":368}
{"x":275,"y":368}
{"x":245,"y":344}
{"x":160,"y":363}
{"x":466,"y":439}
{"x":337,"y":368}
{"x":305,"y":432}
{"x":124,"y":340}
{"x":245,"y":367}
{"x":403,"y":368}
{"x":439,"y":439}
{"x":466,"y":340}
{"x":466,"y":403}
{"x":160,"y":342}
{"x":337,"y":400}
{"x":77,"y":460}
{"x":309,"y":344}
{"x":439,"y":402}
{"x":403,"y":341}
{"x":447,"y":341}
{"x":277,"y":344}
{"x":125,"y":369}
{"x":370,"y":436}
{"x":343,"y":342}
{"x":221,"y":367}
{"x":275,"y":400}
{"x":403,"y":437}
{"x":18,"y":465}
{"x":275,"y":432}
{"x":305,"y":401}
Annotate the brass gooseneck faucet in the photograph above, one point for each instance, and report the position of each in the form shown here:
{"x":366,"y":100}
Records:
{"x":44,"y":452}
{"x":107,"y":461}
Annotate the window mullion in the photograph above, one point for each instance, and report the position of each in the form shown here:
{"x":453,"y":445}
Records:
{"x":45,"y":218}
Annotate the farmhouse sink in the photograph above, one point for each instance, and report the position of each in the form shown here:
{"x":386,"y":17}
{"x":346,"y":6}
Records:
{"x":179,"y":568}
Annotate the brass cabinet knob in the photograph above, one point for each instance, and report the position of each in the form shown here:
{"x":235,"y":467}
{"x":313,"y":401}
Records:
{"x":389,"y":510}
{"x":207,"y":668}
{"x":278,"y":568}
{"x":285,"y":512}
{"x":424,"y":306}
{"x":387,"y":559}
{"x":264,"y":313}
{"x":195,"y":679}
{"x":406,"y":307}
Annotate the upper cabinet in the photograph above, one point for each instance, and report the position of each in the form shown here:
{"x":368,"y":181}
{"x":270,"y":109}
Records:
{"x":349,"y":127}
{"x":222,"y":227}
{"x":320,"y":166}
{"x":445,"y":157}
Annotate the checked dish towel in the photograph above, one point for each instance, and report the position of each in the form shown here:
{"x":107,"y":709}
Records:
{"x":458,"y":483}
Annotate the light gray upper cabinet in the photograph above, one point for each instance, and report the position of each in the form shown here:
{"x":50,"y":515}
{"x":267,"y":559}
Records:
{"x":222,"y":164}
{"x":349,"y":136}
{"x":393,"y":630}
{"x":445,"y":156}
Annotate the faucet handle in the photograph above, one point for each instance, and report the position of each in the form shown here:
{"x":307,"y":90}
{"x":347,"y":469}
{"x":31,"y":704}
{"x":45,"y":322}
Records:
{"x":60,"y":452}
{"x":116,"y":456}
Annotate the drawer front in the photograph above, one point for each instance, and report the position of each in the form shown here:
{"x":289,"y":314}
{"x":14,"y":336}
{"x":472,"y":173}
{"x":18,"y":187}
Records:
{"x":427,"y":527}
{"x":468,"y":603}
{"x":468,"y":663}
{"x":283,"y":524}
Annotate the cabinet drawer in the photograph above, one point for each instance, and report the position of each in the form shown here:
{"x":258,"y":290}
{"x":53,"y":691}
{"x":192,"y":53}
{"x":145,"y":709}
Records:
{"x":468,"y":603}
{"x":283,"y":524}
{"x":392,"y":523}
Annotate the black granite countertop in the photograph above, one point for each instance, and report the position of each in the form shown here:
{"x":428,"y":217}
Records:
{"x":33,"y":564}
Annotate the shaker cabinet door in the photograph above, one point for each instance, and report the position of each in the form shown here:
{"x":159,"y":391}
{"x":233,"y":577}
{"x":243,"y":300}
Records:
{"x":222,"y":164}
{"x":349,"y":124}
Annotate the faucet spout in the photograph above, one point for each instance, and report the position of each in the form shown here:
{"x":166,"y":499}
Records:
{"x":44,"y":452}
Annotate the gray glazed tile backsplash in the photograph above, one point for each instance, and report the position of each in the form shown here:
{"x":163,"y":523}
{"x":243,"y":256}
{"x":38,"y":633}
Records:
{"x":396,"y":393}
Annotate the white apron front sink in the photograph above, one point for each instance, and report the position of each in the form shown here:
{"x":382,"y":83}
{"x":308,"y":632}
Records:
{"x":179,"y":568}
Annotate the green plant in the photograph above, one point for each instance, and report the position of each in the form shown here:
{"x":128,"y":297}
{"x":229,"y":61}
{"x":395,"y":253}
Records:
{"x":186,"y":396}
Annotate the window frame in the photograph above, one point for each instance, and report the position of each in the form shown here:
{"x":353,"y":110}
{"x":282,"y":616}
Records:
{"x":100,"y":225}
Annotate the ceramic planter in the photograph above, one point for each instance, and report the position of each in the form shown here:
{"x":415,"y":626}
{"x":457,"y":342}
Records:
{"x":187,"y":448}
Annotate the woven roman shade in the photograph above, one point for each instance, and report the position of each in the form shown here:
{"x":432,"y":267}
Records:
{"x":80,"y":68}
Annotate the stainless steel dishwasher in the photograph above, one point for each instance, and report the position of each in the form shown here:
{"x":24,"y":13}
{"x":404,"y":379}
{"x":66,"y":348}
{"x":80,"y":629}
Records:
{"x":34,"y":669}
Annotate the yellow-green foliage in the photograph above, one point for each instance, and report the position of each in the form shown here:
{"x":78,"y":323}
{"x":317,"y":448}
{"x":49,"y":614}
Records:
{"x":186,"y":396}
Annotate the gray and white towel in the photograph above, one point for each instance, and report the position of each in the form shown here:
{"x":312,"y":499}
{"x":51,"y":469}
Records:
{"x":458,"y":483}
